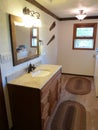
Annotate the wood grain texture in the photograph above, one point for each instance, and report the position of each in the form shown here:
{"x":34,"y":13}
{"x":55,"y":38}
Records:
{"x":51,"y":39}
{"x":31,"y":107}
{"x":89,"y":101}
{"x":52,"y":26}
{"x":43,"y":8}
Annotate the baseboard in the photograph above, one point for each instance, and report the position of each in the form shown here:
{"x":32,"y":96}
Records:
{"x":78,"y":75}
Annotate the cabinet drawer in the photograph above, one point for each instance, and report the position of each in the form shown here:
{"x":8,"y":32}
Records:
{"x":47,"y":87}
{"x":44,"y":100}
{"x":49,"y":97}
{"x":44,"y":92}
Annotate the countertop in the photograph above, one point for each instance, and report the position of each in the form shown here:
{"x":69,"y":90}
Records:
{"x":27,"y":80}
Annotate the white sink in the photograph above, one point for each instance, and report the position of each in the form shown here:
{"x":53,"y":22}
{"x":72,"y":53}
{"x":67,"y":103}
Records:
{"x":40,"y":73}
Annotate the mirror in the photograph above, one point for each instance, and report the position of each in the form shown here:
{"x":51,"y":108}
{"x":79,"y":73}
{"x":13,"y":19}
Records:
{"x":25,"y":41}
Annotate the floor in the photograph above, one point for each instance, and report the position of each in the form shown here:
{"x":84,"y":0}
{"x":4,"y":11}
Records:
{"x":89,"y":101}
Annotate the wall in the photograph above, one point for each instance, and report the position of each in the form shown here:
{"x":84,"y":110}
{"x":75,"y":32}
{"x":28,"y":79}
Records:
{"x":15,"y":7}
{"x":74,"y":61}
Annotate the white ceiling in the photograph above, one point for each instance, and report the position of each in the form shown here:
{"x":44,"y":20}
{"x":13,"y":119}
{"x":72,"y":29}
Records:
{"x":69,"y":8}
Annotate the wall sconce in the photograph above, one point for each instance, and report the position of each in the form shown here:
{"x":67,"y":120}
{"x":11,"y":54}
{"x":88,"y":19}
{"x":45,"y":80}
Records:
{"x":81,"y":16}
{"x":31,"y":18}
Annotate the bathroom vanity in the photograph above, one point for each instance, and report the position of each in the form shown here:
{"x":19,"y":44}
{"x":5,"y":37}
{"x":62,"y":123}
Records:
{"x":34,"y":96}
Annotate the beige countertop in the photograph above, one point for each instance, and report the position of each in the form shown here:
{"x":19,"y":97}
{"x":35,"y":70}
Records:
{"x":28,"y":80}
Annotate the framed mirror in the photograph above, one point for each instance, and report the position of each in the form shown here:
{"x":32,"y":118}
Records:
{"x":24,"y":40}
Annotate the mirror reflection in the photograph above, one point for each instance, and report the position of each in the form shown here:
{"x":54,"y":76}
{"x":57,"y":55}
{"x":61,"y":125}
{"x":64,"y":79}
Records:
{"x":34,"y":36}
{"x":25,"y":41}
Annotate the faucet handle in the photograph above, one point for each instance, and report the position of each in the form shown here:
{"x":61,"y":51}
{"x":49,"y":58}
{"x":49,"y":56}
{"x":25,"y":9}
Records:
{"x":29,"y":68}
{"x":33,"y":67}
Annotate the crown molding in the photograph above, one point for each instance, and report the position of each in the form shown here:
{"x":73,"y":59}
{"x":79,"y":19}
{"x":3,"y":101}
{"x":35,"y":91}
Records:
{"x":55,"y":16}
{"x":74,"y":18}
{"x":43,"y":8}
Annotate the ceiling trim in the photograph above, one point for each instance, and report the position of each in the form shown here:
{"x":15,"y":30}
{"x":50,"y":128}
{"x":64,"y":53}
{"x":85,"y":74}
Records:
{"x":43,"y":8}
{"x":68,"y":18}
{"x":55,"y":16}
{"x":74,"y":18}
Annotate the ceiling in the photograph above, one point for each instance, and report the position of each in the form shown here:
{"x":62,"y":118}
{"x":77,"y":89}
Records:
{"x":69,"y":8}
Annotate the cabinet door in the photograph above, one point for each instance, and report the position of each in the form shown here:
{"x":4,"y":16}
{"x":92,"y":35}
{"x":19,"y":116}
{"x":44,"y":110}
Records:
{"x":54,"y":93}
{"x":53,"y":97}
{"x":50,"y":95}
{"x":3,"y":116}
{"x":45,"y":109}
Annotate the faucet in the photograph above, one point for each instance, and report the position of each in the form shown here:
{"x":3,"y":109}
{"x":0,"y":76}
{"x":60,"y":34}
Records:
{"x":31,"y":67}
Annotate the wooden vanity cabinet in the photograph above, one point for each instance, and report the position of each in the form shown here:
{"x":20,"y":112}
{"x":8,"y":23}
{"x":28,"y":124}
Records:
{"x":31,"y":107}
{"x":50,"y":95}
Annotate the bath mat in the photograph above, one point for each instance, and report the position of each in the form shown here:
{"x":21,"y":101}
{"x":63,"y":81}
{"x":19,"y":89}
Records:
{"x":70,"y":115}
{"x":78,"y":85}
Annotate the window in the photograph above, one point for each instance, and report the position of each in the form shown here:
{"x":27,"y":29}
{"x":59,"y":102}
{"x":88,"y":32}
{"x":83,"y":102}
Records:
{"x":34,"y":37}
{"x":84,"y":36}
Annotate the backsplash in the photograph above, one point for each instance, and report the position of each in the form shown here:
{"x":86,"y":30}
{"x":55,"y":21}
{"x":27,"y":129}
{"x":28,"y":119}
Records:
{"x":15,"y":75}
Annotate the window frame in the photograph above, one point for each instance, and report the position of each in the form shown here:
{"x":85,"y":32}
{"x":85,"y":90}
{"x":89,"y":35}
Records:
{"x":34,"y":37}
{"x":84,"y":25}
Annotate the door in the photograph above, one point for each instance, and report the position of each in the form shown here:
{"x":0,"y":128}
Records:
{"x":3,"y":115}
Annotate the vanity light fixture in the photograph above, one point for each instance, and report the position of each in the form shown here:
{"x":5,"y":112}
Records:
{"x":81,"y":16}
{"x":31,"y":18}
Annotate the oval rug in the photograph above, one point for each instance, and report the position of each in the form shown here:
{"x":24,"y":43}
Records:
{"x":78,"y":85}
{"x":70,"y":115}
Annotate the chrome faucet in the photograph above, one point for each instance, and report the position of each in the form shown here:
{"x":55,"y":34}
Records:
{"x":31,"y":67}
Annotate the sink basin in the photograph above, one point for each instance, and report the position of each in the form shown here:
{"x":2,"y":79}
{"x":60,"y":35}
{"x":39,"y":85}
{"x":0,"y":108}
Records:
{"x":40,"y":73}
